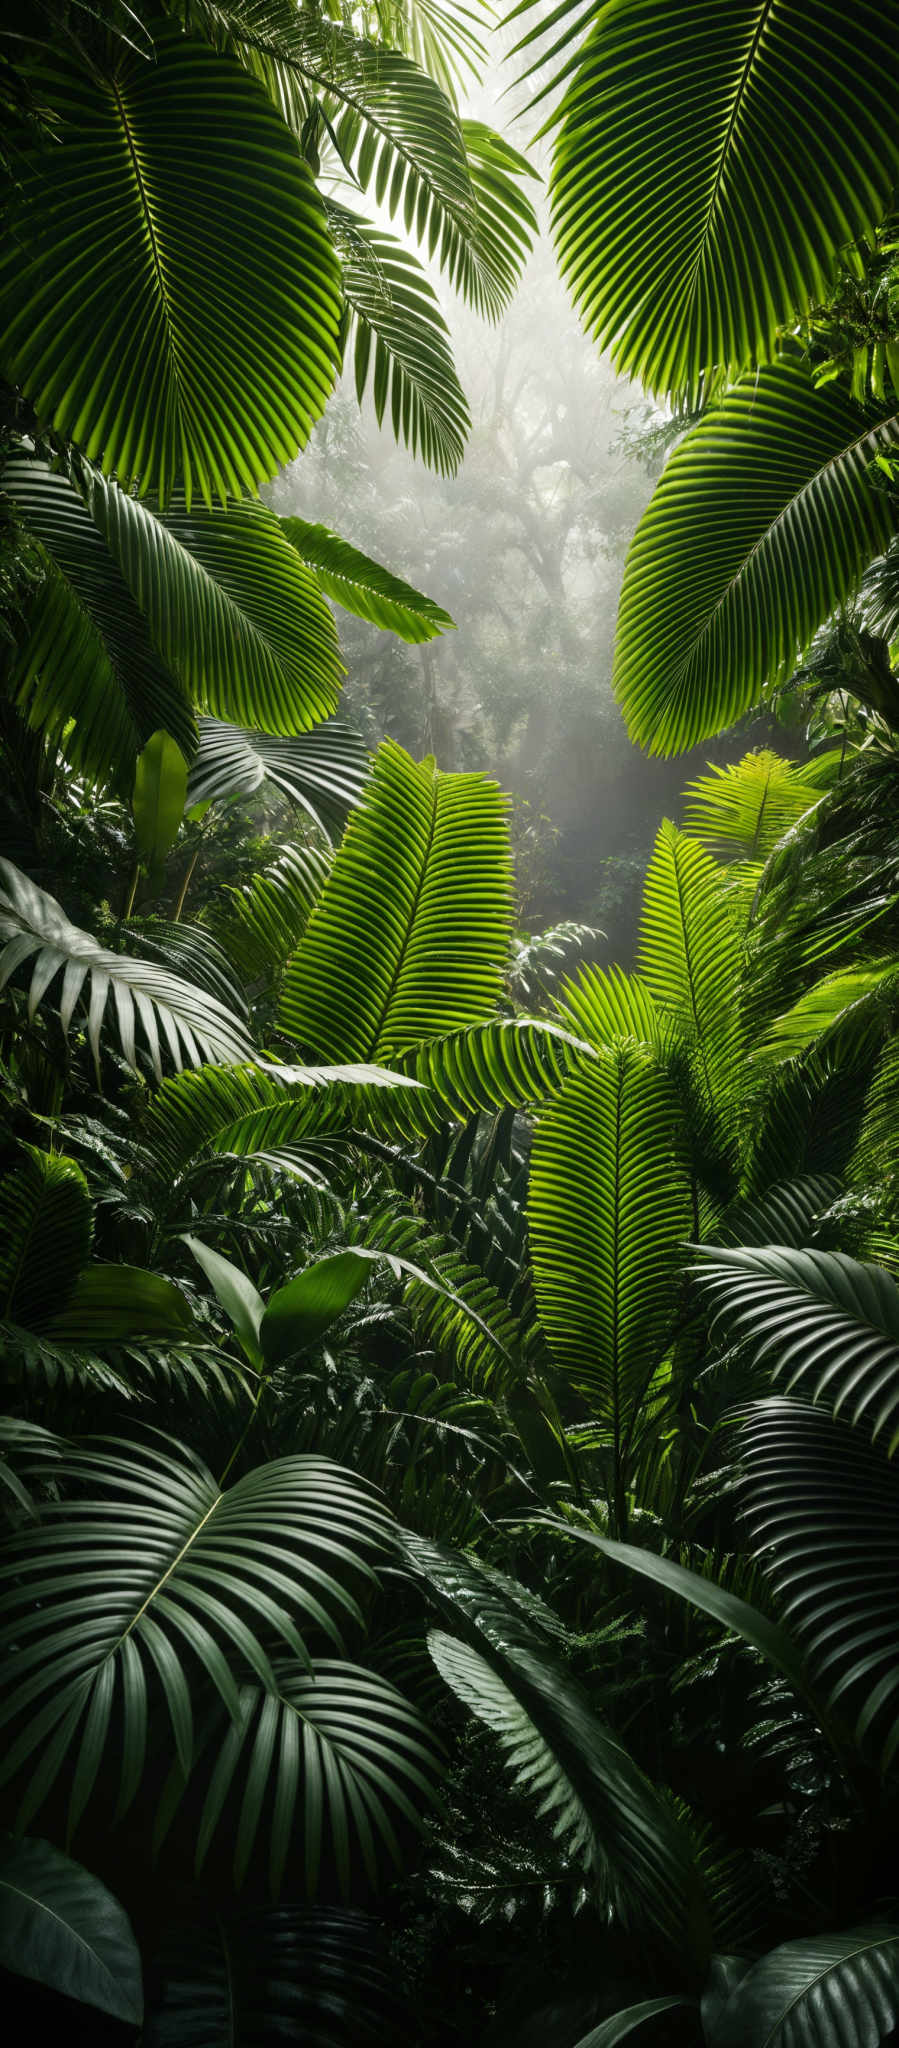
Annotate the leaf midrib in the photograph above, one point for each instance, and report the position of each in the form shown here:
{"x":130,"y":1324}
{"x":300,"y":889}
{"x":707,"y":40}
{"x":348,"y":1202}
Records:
{"x":20,"y":1891}
{"x":864,"y":1949}
{"x":155,"y":251}
{"x":377,"y":1049}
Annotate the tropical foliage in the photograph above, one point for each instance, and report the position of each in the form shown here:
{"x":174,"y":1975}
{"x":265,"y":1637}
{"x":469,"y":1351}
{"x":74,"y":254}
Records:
{"x":448,"y":1473}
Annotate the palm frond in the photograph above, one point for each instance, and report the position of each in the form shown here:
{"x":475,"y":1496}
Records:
{"x":364,"y":587}
{"x":746,"y":807}
{"x":323,"y":771}
{"x":258,"y":1109}
{"x":690,"y":956}
{"x":707,"y":174}
{"x":191,"y":1024}
{"x":321,"y":1974}
{"x":121,"y":1591}
{"x":46,"y":1227}
{"x":400,"y":343}
{"x":827,"y":1991}
{"x":101,"y":280}
{"x":407,"y":940}
{"x":261,"y":923}
{"x":507,"y":1062}
{"x":763,"y":521}
{"x":604,"y":1006}
{"x":608,"y":1208}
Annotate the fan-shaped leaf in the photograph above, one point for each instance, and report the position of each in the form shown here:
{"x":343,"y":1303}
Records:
{"x":171,"y":249}
{"x":762,"y":523}
{"x":46,"y":1226}
{"x":407,"y":940}
{"x":129,"y":1590}
{"x":323,"y":771}
{"x":194,"y":1024}
{"x":708,"y":171}
{"x":60,"y":1926}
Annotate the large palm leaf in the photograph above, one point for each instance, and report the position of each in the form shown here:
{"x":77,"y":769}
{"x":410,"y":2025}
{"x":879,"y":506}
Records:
{"x":259,"y":1109}
{"x":407,"y":940}
{"x":762,"y":523}
{"x":830,"y":1991}
{"x":745,"y":808}
{"x":507,"y":1062}
{"x":711,"y":163}
{"x":152,"y":1574}
{"x":400,"y":342}
{"x":190,"y":1023}
{"x":171,"y":249}
{"x":826,"y":1325}
{"x":690,"y":955}
{"x":46,"y":1226}
{"x":322,"y":771}
{"x":261,"y":923}
{"x":608,"y":1208}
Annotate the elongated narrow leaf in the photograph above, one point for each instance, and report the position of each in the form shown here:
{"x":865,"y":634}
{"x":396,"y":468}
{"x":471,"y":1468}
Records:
{"x":763,"y":521}
{"x":608,"y":1210}
{"x":46,"y":1226}
{"x":241,"y":1301}
{"x":708,"y":171}
{"x":833,"y":1991}
{"x":407,"y":940}
{"x":160,"y":787}
{"x":191,"y":1024}
{"x":827,"y":1325}
{"x":322,"y":771}
{"x":362,"y":586}
{"x":300,"y":1312}
{"x":169,"y":295}
{"x":229,"y":603}
{"x":60,"y":1926}
{"x":623,"y":2025}
{"x":152,"y":1565}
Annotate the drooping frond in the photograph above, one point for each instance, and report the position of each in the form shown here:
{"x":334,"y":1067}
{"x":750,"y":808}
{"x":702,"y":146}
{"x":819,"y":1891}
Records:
{"x":364,"y":587}
{"x":762,"y":522}
{"x":215,"y":370}
{"x":407,"y":940}
{"x":46,"y":1226}
{"x":709,"y":170}
{"x":608,"y":1210}
{"x":191,"y":1024}
{"x":322,"y":771}
{"x":400,"y":343}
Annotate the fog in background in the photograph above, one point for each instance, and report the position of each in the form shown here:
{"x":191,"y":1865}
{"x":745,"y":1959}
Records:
{"x":525,"y":548}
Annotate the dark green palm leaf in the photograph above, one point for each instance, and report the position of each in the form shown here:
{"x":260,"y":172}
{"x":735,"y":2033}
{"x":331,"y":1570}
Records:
{"x":831,"y":1991}
{"x":362,"y":586}
{"x":46,"y":1226}
{"x":826,"y":1325}
{"x":332,"y":1757}
{"x":323,"y":771}
{"x":764,"y":520}
{"x":400,"y":342}
{"x":154,"y":1575}
{"x":175,"y":252}
{"x":60,"y":1926}
{"x":321,"y":1977}
{"x":193,"y":1025}
{"x":712,"y":161}
{"x":407,"y":940}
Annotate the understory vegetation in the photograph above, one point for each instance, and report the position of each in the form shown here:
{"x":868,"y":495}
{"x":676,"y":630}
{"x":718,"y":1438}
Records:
{"x":447,"y":1467}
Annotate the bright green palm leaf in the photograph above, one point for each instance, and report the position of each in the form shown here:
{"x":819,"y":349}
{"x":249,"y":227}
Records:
{"x":243,"y":1109}
{"x":604,"y":1005}
{"x":87,"y":672}
{"x":712,"y":161}
{"x":763,"y":521}
{"x":407,"y":940}
{"x":507,"y":1062}
{"x":239,"y":618}
{"x":46,"y":1226}
{"x":191,"y":1024}
{"x":745,"y":808}
{"x":362,"y":586}
{"x":261,"y":923}
{"x":152,"y":1562}
{"x":61,"y":1927}
{"x":690,"y":956}
{"x":157,"y":804}
{"x":830,"y":1991}
{"x":400,"y":342}
{"x":608,"y":1210}
{"x":300,"y":1312}
{"x":176,"y":308}
{"x":323,"y":771}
